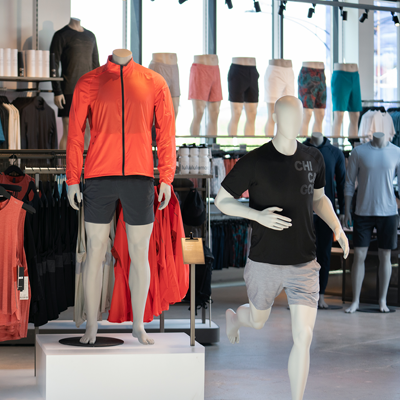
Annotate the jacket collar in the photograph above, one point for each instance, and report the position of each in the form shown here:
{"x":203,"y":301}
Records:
{"x":113,"y":68}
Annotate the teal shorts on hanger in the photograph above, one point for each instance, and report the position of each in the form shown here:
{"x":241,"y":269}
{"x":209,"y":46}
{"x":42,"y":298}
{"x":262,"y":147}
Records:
{"x":346,"y":91}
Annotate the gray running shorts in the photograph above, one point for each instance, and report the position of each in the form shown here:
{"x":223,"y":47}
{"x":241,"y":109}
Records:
{"x":265,"y":281}
{"x":136,"y":193}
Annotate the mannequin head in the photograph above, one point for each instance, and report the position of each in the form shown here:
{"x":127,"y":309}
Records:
{"x":379,"y":140}
{"x":317,"y":138}
{"x":121,"y":56}
{"x":288,"y":116}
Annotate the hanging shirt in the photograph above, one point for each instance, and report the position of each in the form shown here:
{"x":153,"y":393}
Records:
{"x":375,"y":169}
{"x":376,"y":121}
{"x":2,"y":138}
{"x":22,"y":181}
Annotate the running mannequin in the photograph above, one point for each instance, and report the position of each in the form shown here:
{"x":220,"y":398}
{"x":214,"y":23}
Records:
{"x":374,"y":164}
{"x":269,"y":224}
{"x":59,"y":100}
{"x":319,"y":84}
{"x":138,"y":243}
{"x":352,"y":103}
{"x":205,"y":92}
{"x":278,"y":91}
{"x":170,"y":59}
{"x":243,"y":90}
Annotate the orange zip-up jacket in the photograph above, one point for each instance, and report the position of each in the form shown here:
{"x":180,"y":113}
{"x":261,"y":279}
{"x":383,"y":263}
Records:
{"x":120,"y":103}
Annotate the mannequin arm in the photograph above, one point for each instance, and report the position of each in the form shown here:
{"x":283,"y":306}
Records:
{"x":347,"y":211}
{"x":59,"y":101}
{"x":226,"y":203}
{"x":323,"y":208}
{"x":165,"y":191}
{"x":72,"y":191}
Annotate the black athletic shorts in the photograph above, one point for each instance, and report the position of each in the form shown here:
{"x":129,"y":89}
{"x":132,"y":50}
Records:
{"x":386,"y":231}
{"x":67,"y":106}
{"x":136,"y":194}
{"x":243,"y":83}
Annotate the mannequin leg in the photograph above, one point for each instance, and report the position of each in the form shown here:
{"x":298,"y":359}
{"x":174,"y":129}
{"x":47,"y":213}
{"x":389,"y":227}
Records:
{"x":303,"y":321}
{"x":246,"y":315}
{"x":353,"y":127}
{"x":139,"y":276}
{"x":357,"y":276}
{"x":213,"y":113}
{"x":319,"y":115}
{"x":385,"y":272}
{"x":87,"y":135}
{"x":337,"y":122}
{"x":97,"y":238}
{"x":175,"y":102}
{"x":236,"y":112}
{"x":198,"y":110}
{"x":63,"y":141}
{"x":270,"y":126}
{"x":251,"y":114}
{"x":307,"y":113}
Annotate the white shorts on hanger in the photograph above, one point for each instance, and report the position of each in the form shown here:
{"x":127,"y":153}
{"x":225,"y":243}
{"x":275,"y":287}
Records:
{"x":278,"y":81}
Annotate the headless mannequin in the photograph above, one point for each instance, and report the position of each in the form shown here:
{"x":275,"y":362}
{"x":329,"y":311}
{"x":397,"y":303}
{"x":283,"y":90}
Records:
{"x":170,"y":59}
{"x":338,"y":115}
{"x":379,"y":140}
{"x":249,"y":108}
{"x":319,"y":113}
{"x":138,"y":243}
{"x":270,"y":126}
{"x":59,"y":101}
{"x":288,"y":116}
{"x":200,"y":105}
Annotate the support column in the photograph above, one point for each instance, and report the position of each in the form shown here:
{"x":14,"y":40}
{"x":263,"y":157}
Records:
{"x":136,"y":30}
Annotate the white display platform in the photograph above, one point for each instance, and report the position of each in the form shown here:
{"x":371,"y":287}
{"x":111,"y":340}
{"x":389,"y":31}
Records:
{"x":169,"y":369}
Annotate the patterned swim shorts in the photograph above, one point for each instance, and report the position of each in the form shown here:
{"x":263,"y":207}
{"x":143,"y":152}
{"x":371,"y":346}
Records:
{"x":312,"y":87}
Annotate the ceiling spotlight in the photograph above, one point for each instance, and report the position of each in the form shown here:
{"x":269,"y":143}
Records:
{"x":229,"y":3}
{"x":257,"y":6}
{"x":311,"y":11}
{"x":343,"y":14}
{"x":282,"y":8}
{"x":364,"y":16}
{"x":395,"y":19}
{"x":181,"y":1}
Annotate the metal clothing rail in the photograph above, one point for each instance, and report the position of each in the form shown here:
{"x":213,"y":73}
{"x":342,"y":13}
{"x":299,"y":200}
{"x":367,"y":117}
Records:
{"x":380,"y":101}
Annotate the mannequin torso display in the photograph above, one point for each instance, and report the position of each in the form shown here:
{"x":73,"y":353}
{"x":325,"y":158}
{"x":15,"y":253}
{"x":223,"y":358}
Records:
{"x":243,"y":93}
{"x":314,"y":64}
{"x":293,"y":159}
{"x":278,"y":81}
{"x":205,"y":91}
{"x":345,"y":67}
{"x":165,"y":58}
{"x":374,"y":165}
{"x":99,"y":185}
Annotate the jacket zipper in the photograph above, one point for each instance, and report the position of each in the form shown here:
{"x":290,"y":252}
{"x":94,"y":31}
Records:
{"x":123,"y":122}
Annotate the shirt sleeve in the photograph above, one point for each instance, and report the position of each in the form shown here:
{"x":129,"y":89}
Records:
{"x":76,"y":130}
{"x":340,"y":177}
{"x":241,"y":176}
{"x":95,"y":55}
{"x":320,"y":180}
{"x":165,"y":131}
{"x":351,"y":174}
{"x":56,"y":47}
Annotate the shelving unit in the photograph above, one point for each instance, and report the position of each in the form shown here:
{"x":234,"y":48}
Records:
{"x":27,"y":79}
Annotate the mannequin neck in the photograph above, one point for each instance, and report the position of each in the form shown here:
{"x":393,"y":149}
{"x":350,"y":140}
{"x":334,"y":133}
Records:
{"x":283,"y":144}
{"x":121,"y":56}
{"x":379,"y":140}
{"x":317,"y":139}
{"x":75,"y":24}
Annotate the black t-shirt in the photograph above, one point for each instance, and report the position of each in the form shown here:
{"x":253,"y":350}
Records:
{"x":288,"y":182}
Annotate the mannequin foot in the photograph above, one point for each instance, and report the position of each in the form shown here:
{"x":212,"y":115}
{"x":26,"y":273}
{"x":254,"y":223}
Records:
{"x":321,"y":302}
{"x":231,"y":326}
{"x":90,"y":334}
{"x":383,"y":307}
{"x":353,"y":308}
{"x":140,"y":334}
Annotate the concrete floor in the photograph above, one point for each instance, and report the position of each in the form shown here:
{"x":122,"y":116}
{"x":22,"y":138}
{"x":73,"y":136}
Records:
{"x":353,"y":357}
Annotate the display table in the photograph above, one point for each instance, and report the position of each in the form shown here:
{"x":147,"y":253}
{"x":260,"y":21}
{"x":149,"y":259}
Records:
{"x":169,"y":369}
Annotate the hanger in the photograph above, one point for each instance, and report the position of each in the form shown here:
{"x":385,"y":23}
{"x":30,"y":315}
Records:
{"x":11,"y":188}
{"x":14,"y":170}
{"x":26,"y":207}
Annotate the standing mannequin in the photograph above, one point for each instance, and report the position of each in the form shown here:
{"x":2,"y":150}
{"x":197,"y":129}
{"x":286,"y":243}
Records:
{"x":335,"y":175}
{"x":243,"y":89}
{"x":76,"y":49}
{"x":374,"y":165}
{"x":205,"y":90}
{"x":312,"y":93}
{"x":121,"y":99}
{"x":282,"y":252}
{"x":278,"y":81}
{"x":166,"y":64}
{"x":346,"y":96}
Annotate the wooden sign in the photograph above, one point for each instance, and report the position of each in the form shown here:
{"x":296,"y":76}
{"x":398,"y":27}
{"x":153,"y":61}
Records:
{"x":193,"y":252}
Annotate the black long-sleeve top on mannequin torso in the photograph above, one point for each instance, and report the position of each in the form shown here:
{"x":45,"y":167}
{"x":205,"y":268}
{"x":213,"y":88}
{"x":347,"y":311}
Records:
{"x":78,"y":54}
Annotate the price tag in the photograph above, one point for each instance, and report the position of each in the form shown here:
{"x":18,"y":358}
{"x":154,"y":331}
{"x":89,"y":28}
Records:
{"x":24,"y":295}
{"x":193,"y":251}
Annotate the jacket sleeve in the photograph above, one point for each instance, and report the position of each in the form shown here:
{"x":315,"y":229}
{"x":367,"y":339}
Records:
{"x":340,"y":177}
{"x":56,"y":47}
{"x":165,"y":131}
{"x":76,"y":130}
{"x":351,"y":174}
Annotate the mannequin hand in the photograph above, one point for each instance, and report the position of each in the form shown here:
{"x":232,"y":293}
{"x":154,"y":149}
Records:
{"x":269,"y":219}
{"x":72,"y":191}
{"x":347,"y":221}
{"x":59,"y":101}
{"x":165,"y":191}
{"x":343,"y":241}
{"x":342,"y":220}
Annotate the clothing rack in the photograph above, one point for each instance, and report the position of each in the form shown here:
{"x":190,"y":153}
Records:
{"x":381,"y":101}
